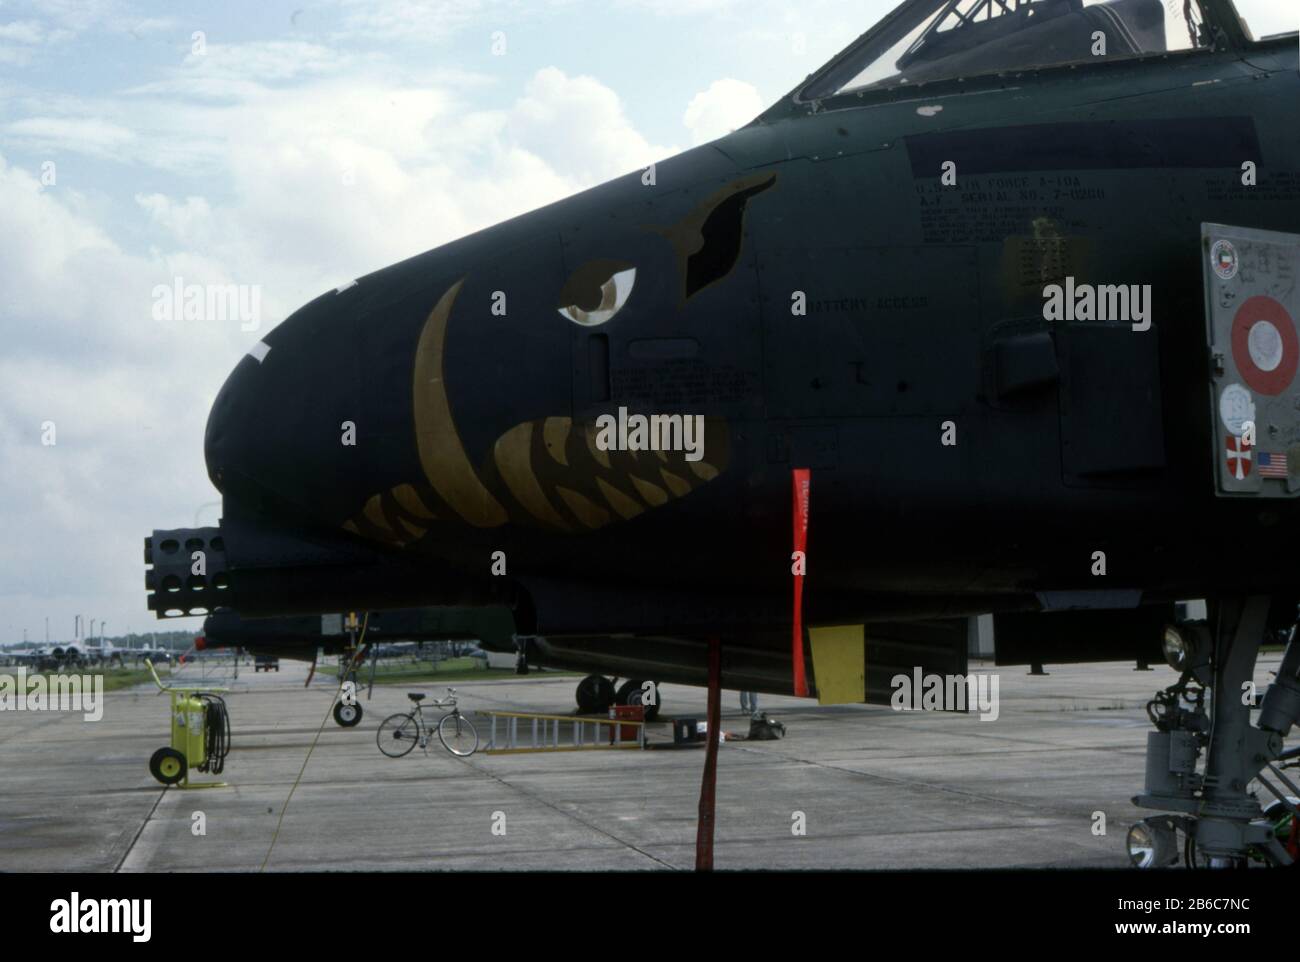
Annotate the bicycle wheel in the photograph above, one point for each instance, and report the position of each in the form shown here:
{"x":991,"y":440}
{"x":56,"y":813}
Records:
{"x":457,"y":735}
{"x":398,"y":735}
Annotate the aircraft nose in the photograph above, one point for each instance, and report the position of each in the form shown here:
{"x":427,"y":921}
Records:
{"x":414,"y":393}
{"x":242,"y":428}
{"x":272,"y":442}
{"x":223,"y":442}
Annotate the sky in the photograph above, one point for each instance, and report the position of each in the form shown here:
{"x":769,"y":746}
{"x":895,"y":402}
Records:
{"x":288,"y":147}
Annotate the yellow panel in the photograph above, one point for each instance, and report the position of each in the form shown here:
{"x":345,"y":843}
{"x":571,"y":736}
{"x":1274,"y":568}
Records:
{"x":840,"y":664}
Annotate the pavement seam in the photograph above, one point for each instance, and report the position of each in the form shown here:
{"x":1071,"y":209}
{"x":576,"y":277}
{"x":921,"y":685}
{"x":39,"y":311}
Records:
{"x":140,"y":831}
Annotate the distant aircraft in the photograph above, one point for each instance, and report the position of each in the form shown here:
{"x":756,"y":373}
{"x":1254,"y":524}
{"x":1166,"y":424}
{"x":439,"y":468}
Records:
{"x":994,"y":313}
{"x":82,"y":655}
{"x":106,"y":653}
{"x":21,"y":656}
{"x":150,"y":653}
{"x":302,"y":637}
{"x":52,"y":657}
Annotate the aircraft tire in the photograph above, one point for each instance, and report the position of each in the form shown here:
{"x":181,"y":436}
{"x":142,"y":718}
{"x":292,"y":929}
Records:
{"x":1274,"y":811}
{"x":629,"y":693}
{"x":347,"y":716}
{"x":595,"y":693}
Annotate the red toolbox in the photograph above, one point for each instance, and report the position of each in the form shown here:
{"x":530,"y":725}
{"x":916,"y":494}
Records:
{"x":626,"y":733}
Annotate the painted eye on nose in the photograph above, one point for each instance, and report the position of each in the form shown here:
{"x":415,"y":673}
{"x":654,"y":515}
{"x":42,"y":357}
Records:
{"x":596,"y":292}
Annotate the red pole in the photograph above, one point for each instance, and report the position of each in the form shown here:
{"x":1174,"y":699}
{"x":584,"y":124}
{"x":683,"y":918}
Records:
{"x":704,"y":828}
{"x":802,"y":483}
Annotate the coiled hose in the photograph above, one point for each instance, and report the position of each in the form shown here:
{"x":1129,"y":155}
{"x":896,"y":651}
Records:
{"x":216,"y":736}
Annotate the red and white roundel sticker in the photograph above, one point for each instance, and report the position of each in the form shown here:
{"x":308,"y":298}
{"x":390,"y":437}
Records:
{"x":1264,"y":345}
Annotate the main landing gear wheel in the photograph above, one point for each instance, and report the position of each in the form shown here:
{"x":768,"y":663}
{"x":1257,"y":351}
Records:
{"x":398,"y":735}
{"x":595,"y":693}
{"x":1204,"y":716}
{"x":633,"y":692}
{"x":1286,"y":826}
{"x":347,"y":716}
{"x":167,"y":765}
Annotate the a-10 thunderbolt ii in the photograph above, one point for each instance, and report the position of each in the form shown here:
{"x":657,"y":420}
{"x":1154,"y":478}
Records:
{"x":995,"y":312}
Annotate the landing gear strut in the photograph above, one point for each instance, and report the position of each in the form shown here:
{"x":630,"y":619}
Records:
{"x":1208,"y":712}
{"x":347,"y":710}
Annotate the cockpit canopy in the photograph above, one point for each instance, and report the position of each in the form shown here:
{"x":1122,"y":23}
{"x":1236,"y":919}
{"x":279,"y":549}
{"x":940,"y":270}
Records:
{"x":930,"y":40}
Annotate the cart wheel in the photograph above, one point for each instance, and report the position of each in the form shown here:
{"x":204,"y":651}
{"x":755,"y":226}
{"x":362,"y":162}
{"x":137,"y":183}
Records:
{"x":167,"y":765}
{"x":348,"y":716}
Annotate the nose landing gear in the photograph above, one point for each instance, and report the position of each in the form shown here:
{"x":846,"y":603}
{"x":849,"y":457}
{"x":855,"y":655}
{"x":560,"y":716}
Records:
{"x":1208,"y":712}
{"x":347,"y":716}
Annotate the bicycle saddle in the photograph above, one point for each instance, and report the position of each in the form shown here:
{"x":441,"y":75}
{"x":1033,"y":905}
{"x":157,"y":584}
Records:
{"x":415,"y":695}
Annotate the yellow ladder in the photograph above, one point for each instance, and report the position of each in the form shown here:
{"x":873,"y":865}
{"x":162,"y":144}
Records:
{"x":542,"y":733}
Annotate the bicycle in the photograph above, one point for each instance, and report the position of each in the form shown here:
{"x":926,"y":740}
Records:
{"x":402,"y":732}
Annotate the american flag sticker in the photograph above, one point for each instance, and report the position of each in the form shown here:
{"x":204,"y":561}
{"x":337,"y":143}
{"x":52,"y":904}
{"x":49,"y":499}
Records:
{"x":1272,"y":465}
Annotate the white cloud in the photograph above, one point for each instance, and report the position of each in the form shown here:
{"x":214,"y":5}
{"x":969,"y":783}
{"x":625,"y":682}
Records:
{"x":725,"y":106}
{"x":189,"y":222}
{"x":22,"y":31}
{"x":407,"y":20}
{"x":16,"y":56}
{"x":151,"y":25}
{"x":87,"y":135}
{"x":361,"y":171}
{"x":264,"y":61}
{"x":128,"y":398}
{"x":691,"y":8}
{"x":79,"y":15}
{"x":578,"y":126}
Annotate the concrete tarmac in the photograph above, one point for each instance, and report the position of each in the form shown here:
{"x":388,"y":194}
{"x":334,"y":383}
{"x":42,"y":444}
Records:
{"x":871,"y":788}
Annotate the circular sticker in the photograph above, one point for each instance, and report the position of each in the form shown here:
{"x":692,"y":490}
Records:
{"x":1264,"y":345}
{"x":1236,"y":407}
{"x":1223,"y":257}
